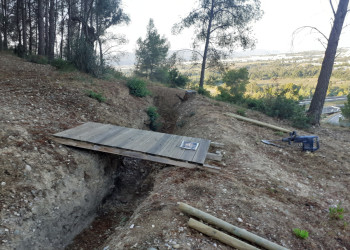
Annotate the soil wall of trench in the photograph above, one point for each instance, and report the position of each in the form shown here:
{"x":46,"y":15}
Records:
{"x":95,"y":183}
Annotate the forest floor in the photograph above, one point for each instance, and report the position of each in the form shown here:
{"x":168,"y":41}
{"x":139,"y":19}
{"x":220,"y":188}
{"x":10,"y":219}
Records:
{"x":263,"y":189}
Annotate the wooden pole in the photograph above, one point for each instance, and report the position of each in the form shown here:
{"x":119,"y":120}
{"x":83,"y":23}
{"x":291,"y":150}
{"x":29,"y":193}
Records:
{"x":258,"y":122}
{"x":224,"y":238}
{"x":241,"y":233}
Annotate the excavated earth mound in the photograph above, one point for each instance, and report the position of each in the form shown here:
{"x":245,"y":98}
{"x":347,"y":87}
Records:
{"x":53,"y":196}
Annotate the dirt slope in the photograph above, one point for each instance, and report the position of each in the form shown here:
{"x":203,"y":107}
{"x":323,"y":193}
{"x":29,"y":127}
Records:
{"x":263,"y":189}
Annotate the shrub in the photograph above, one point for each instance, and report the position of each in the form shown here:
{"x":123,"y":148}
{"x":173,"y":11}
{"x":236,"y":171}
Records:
{"x":37,"y":59}
{"x":303,"y":234}
{"x":177,"y":79}
{"x":224,"y":95}
{"x":346,"y":109}
{"x":110,"y":73}
{"x":153,"y":116}
{"x":240,"y":112}
{"x":63,"y":65}
{"x":97,"y":96}
{"x":203,"y":91}
{"x":137,"y":87}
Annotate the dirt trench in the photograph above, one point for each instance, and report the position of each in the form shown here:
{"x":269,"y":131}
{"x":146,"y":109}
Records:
{"x":132,"y":180}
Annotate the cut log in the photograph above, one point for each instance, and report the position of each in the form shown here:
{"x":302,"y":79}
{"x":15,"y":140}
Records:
{"x":217,"y":144}
{"x":258,"y":122}
{"x":241,"y":233}
{"x":220,"y":236}
{"x":214,"y":157}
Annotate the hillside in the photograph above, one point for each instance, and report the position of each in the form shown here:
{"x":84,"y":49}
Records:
{"x":50,"y":193}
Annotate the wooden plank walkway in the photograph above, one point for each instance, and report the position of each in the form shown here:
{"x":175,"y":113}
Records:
{"x":149,"y":145}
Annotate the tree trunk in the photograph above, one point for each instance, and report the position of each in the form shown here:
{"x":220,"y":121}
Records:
{"x":24,"y":25}
{"x":18,"y":24}
{"x":51,"y":49}
{"x":316,"y":106}
{"x":41,"y":46}
{"x":30,"y":27}
{"x":5,"y":23}
{"x":69,"y":30}
{"x":201,"y":81}
{"x":46,"y":27}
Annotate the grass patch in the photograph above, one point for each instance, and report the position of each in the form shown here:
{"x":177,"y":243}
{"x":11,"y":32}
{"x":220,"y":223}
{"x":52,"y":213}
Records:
{"x":303,"y":234}
{"x":97,"y":96}
{"x":241,"y":112}
{"x":337,"y":212}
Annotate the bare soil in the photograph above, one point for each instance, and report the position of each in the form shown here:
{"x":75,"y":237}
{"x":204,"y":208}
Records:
{"x":263,"y":189}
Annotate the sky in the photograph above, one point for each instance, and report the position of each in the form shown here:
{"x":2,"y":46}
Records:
{"x":273,"y":31}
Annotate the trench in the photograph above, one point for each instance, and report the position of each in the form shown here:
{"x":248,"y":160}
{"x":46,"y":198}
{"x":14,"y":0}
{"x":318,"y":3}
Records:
{"x":133,"y":181}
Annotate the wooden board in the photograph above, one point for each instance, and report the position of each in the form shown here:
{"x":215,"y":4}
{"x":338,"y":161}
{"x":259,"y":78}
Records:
{"x":138,"y":141}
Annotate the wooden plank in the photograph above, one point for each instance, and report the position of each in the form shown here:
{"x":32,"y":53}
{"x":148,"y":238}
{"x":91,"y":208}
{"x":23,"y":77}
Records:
{"x":132,"y":144}
{"x":159,"y":145}
{"x":202,"y":153}
{"x":115,"y":139}
{"x":129,"y":153}
{"x":146,"y":141}
{"x":77,"y":130}
{"x":173,"y":149}
{"x":114,"y":130}
{"x":127,"y":137}
{"x":88,"y":132}
{"x":188,"y":154}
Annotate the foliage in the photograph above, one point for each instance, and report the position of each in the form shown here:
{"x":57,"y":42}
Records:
{"x":303,"y":234}
{"x":241,"y":112}
{"x":281,"y":107}
{"x":110,"y":73}
{"x":152,"y":112}
{"x":236,"y":80}
{"x":220,"y":24}
{"x":346,"y":109}
{"x":152,"y":51}
{"x":63,"y":65}
{"x":137,"y":87}
{"x":203,"y":91}
{"x":85,"y":58}
{"x":224,"y":95}
{"x":177,"y":79}
{"x":97,"y":96}
{"x":37,"y":59}
{"x":336,"y":212}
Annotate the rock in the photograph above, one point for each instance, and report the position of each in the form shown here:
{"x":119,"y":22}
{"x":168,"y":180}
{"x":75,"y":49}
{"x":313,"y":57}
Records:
{"x":176,"y":246}
{"x":28,"y":168}
{"x":239,"y":219}
{"x":3,"y":183}
{"x":132,"y":226}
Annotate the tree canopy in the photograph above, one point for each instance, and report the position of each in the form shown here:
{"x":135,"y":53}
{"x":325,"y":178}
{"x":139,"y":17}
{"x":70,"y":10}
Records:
{"x":152,"y":51}
{"x":221,"y":25}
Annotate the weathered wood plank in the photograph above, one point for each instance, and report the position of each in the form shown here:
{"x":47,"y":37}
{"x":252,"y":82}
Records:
{"x":133,"y":154}
{"x":78,"y":130}
{"x":202,"y":153}
{"x":153,"y":143}
{"x":159,"y":145}
{"x":114,"y":130}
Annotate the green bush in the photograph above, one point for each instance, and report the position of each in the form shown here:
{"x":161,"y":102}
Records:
{"x":282,"y":108}
{"x":110,"y":73}
{"x":97,"y":96}
{"x":177,"y":79}
{"x":203,"y":91}
{"x":224,"y":95}
{"x":152,"y":112}
{"x":346,"y":109}
{"x":240,"y":112}
{"x":37,"y":59}
{"x":63,"y":65}
{"x":137,"y":87}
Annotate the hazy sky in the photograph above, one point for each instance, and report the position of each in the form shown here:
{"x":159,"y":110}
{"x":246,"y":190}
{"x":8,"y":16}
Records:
{"x":273,"y":31}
